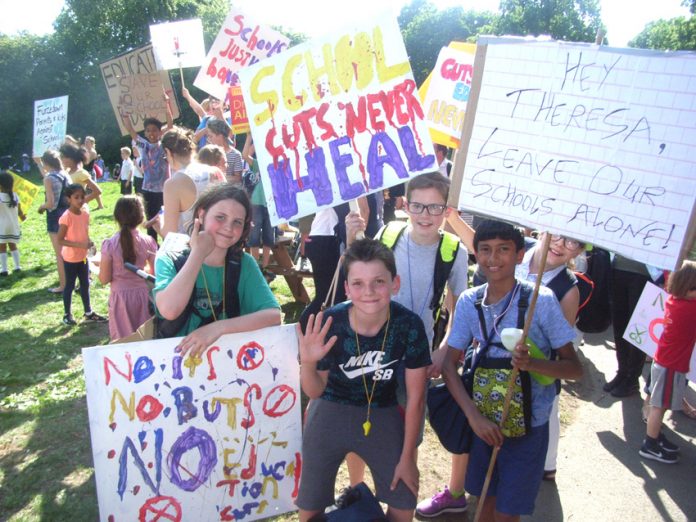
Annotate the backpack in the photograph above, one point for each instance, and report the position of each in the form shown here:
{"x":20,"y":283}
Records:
{"x":566,"y":279}
{"x":165,"y":328}
{"x":448,"y":249}
{"x":594,"y":314}
{"x":249,"y":181}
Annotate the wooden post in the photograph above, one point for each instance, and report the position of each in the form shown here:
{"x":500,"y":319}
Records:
{"x":513,"y":375}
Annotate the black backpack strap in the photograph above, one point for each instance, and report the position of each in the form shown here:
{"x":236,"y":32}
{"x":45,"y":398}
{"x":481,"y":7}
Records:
{"x":233,"y":272}
{"x":562,"y":283}
{"x":165,"y":328}
{"x":447,"y":251}
{"x":479,"y":309}
{"x":523,"y":303}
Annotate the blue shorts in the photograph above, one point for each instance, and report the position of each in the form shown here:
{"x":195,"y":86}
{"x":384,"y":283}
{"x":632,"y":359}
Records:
{"x":262,"y":233}
{"x":52,"y":217}
{"x":518,"y":470}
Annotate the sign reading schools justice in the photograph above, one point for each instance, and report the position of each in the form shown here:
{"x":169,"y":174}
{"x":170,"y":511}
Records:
{"x":592,"y":142}
{"x":211,"y":438}
{"x":335,"y":119}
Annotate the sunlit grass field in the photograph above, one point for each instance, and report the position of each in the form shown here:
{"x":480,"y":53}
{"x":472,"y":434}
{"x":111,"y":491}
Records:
{"x":45,"y":455}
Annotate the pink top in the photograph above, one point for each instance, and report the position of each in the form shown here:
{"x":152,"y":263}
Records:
{"x":145,"y":250}
{"x":78,"y":231}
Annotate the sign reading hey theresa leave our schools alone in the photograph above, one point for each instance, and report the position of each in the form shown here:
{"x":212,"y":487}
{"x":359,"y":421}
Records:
{"x":592,"y":142}
{"x":216,"y":437}
{"x":335,"y":119}
{"x":240,"y":42}
{"x":50,"y":123}
{"x":133,"y":83}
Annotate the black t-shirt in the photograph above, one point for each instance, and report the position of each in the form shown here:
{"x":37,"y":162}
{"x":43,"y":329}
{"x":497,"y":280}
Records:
{"x":406,"y":340}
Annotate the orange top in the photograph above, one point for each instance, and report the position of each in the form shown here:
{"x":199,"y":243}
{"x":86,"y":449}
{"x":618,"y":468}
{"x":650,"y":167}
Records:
{"x":78,"y":231}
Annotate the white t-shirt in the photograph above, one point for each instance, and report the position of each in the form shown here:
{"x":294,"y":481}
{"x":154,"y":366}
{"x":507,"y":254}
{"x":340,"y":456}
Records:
{"x":127,"y":169}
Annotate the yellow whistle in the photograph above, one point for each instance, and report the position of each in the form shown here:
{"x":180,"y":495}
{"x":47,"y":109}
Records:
{"x":366,"y":427}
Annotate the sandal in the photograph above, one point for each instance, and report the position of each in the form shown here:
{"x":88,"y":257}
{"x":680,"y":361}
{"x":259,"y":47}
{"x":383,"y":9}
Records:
{"x":549,"y":475}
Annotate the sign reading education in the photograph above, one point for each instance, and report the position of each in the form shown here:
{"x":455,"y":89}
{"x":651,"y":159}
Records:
{"x":648,"y":321}
{"x":240,"y":42}
{"x":588,"y":141}
{"x":133,"y":82}
{"x":335,"y":119}
{"x":216,"y":437}
{"x":50,"y":124}
{"x":447,"y":93}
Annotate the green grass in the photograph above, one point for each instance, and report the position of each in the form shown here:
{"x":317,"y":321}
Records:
{"x":45,"y":454}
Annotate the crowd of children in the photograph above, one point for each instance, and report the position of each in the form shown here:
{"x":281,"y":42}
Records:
{"x":365,"y":362}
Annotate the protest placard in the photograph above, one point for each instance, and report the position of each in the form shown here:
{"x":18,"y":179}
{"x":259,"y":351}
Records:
{"x":335,"y":119}
{"x":50,"y":123}
{"x":583,"y":140}
{"x":216,"y":437}
{"x":238,"y":114}
{"x":445,"y":92}
{"x":133,"y":82}
{"x":647,"y":322}
{"x":178,"y":44}
{"x":26,"y":190}
{"x":241,"y":42}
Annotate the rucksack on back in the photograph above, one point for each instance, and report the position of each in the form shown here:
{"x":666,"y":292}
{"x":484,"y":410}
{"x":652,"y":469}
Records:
{"x":594,"y":314}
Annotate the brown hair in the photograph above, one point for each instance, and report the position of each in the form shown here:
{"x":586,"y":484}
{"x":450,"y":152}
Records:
{"x":211,"y":155}
{"x":366,"y":250}
{"x":220,"y":192}
{"x":430,"y":180}
{"x":128,"y":213}
{"x":52,"y":159}
{"x":681,"y":281}
{"x":178,"y":141}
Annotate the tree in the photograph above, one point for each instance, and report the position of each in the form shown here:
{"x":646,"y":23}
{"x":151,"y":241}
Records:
{"x":429,"y":29}
{"x":671,"y":35}
{"x":569,"y":20}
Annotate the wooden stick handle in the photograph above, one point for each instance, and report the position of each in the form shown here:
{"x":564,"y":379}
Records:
{"x":353,"y":204}
{"x":515,"y":372}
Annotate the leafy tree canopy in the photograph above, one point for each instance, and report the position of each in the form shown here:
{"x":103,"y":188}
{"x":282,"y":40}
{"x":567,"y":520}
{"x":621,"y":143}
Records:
{"x":670,"y":35}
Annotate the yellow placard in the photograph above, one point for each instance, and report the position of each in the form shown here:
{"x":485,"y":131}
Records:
{"x":26,"y":191}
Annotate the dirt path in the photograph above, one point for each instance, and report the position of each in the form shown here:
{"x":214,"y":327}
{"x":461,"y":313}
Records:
{"x":600,"y":474}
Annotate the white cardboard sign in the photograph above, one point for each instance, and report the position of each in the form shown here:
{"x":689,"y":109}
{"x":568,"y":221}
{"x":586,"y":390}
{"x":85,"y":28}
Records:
{"x":336,"y":118}
{"x":214,"y":438}
{"x":50,"y":124}
{"x":647,"y":322}
{"x":240,"y":42}
{"x":592,"y":142}
{"x":178,"y":44}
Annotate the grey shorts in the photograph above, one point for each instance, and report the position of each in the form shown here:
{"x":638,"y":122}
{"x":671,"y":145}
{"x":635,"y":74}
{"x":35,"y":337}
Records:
{"x":333,"y":430}
{"x":667,"y":387}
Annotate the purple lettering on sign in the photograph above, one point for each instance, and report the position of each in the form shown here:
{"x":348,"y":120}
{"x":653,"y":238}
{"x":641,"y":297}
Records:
{"x":190,"y":439}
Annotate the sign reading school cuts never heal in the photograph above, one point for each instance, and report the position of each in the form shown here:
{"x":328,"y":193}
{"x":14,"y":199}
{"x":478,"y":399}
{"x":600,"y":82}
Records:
{"x":213,"y":438}
{"x":335,"y":119}
{"x":592,"y":142}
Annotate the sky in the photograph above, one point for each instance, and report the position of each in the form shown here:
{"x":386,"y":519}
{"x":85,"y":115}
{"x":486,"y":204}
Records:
{"x":624,"y":18}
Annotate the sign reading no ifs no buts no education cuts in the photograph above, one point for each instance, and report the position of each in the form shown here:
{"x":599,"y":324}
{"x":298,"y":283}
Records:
{"x":182,"y":438}
{"x":335,"y":119}
{"x":592,"y":142}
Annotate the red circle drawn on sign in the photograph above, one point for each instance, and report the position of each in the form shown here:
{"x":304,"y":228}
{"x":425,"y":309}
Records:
{"x":246,"y":358}
{"x":160,"y":508}
{"x":278,"y":397}
{"x":660,"y":321}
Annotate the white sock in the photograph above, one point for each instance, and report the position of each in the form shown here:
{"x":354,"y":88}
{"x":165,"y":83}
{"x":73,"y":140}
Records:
{"x":15,"y":258}
{"x":3,"y":262}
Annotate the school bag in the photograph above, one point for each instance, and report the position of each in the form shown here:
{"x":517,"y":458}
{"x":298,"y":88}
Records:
{"x":448,"y":249}
{"x":165,"y":328}
{"x":594,"y":315}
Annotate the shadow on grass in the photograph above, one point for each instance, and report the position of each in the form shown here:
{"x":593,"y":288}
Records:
{"x":59,"y":434}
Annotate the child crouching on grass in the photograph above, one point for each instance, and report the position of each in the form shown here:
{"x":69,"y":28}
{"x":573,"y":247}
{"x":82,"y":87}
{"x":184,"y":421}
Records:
{"x":348,"y":360}
{"x":671,"y":362}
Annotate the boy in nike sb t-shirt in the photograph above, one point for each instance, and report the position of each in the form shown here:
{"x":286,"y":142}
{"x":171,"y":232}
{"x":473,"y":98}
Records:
{"x":348,"y":360}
